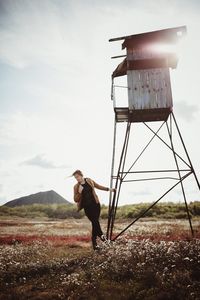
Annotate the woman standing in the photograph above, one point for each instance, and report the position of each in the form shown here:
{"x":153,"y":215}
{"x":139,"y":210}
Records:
{"x":86,"y":198}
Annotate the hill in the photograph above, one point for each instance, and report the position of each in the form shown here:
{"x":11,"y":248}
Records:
{"x":48,"y":197}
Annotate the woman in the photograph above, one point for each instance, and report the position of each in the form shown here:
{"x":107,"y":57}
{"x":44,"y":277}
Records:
{"x":86,"y":197}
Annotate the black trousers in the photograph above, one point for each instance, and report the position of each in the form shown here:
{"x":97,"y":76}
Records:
{"x":92,"y":211}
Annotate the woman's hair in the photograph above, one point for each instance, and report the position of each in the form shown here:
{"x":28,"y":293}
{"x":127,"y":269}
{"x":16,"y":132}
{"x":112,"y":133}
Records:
{"x":77,"y":172}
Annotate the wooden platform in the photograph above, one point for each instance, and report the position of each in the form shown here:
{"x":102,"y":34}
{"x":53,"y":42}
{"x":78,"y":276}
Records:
{"x":123,"y":114}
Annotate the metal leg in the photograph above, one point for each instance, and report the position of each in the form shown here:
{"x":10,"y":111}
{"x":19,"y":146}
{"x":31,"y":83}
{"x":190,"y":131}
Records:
{"x":179,"y":174}
{"x":111,"y":177}
{"x":120,"y":183}
{"x":112,"y":209}
{"x":197,"y":181}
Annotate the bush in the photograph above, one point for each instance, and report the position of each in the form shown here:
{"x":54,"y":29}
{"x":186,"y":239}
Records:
{"x":195,"y":208}
{"x":60,"y":211}
{"x":166,"y":210}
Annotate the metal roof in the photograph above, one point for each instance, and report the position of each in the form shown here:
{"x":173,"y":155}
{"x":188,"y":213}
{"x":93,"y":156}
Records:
{"x":169,"y":35}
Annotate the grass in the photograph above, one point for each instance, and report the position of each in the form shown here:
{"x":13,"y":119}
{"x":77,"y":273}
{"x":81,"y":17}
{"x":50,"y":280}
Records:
{"x":165,"y":210}
{"x":46,"y":259}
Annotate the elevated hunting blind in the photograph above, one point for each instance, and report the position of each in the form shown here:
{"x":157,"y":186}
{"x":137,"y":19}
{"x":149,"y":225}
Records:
{"x":147,"y":63}
{"x":148,"y":59}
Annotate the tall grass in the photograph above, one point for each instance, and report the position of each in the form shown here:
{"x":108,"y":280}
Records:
{"x":168,"y":210}
{"x":57,"y":211}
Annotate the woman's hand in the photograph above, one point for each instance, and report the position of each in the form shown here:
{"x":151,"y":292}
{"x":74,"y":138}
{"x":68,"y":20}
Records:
{"x":80,"y":188}
{"x":113,"y":190}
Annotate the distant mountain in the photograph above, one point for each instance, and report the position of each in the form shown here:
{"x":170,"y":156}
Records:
{"x":48,"y":197}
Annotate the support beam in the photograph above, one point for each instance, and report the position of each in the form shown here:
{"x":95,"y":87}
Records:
{"x":179,"y":174}
{"x":144,"y":213}
{"x":121,"y":174}
{"x":112,"y":211}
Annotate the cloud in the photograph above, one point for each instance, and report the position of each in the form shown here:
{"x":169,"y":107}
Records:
{"x":2,"y":200}
{"x":49,"y":32}
{"x":187,"y":111}
{"x":55,"y":83}
{"x":140,"y":193}
{"x":40,"y":186}
{"x":40,"y":161}
{"x":54,"y":26}
{"x":46,"y":26}
{"x":2,"y":196}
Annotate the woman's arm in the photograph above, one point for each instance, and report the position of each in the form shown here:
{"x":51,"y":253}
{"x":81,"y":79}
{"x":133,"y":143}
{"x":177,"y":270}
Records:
{"x":77,"y":195}
{"x":100,"y":187}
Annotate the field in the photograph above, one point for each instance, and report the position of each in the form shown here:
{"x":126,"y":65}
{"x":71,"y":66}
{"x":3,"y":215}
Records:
{"x":53,"y":259}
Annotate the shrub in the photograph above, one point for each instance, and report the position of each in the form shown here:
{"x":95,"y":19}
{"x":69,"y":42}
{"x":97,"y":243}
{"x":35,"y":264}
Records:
{"x":167,"y":210}
{"x":60,"y":211}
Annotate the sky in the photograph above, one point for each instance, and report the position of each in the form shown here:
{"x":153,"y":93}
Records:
{"x":56,"y":114}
